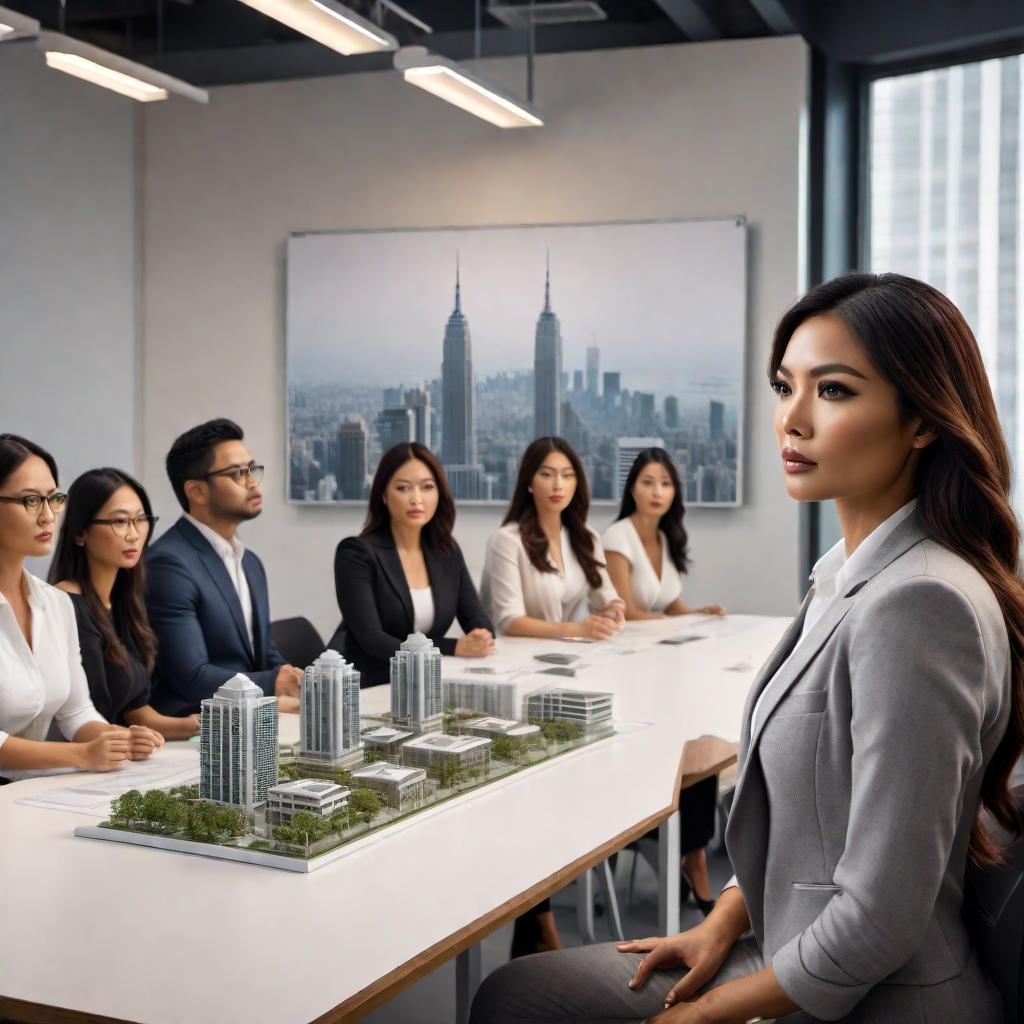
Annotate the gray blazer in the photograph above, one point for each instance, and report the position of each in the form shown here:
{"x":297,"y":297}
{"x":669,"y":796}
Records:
{"x":858,"y":789}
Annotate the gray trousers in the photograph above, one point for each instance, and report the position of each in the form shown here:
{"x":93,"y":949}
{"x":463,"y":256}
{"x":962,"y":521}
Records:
{"x":590,"y":985}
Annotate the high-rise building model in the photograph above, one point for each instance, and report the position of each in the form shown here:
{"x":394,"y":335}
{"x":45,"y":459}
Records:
{"x":238,"y":745}
{"x":329,"y":713}
{"x":547,"y":369}
{"x":416,"y":690}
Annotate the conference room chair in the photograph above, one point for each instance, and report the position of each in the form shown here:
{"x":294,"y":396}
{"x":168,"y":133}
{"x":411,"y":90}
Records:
{"x":994,"y":909}
{"x":298,"y":641}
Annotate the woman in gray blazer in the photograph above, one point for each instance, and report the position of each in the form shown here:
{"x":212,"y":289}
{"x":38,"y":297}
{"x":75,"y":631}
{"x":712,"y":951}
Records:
{"x":888,"y":717}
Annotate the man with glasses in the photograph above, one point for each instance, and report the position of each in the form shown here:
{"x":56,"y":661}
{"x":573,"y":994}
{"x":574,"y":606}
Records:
{"x":207,"y":594}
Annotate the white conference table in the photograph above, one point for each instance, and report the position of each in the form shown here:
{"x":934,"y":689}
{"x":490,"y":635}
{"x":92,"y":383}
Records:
{"x":103,"y":931}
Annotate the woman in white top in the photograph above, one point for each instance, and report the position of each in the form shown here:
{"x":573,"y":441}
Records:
{"x":646,"y":549}
{"x":646,"y":545}
{"x":42,"y":681}
{"x":544,"y":572}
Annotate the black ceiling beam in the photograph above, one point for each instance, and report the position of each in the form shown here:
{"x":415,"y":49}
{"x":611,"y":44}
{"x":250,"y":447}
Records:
{"x":307,"y":59}
{"x":691,"y":19}
{"x":775,"y":16}
{"x":876,"y":32}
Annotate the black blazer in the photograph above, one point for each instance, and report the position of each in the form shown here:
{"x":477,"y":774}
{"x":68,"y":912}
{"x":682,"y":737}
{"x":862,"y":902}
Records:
{"x":376,"y":605}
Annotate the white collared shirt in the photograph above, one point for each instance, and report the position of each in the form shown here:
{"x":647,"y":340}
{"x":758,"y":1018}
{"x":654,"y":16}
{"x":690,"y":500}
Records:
{"x":44,"y":683}
{"x":830,"y":576}
{"x":230,"y":553}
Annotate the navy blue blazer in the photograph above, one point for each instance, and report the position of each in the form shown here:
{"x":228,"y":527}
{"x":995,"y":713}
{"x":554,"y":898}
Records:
{"x":197,"y":617}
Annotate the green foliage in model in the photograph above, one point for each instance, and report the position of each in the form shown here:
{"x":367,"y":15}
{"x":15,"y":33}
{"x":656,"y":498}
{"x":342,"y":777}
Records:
{"x":560,"y":731}
{"x":178,"y":811}
{"x":364,"y":805}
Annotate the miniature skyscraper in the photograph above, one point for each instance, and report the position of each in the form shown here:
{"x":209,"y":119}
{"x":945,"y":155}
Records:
{"x":329,"y":714}
{"x":238,"y":745}
{"x":416,"y":696}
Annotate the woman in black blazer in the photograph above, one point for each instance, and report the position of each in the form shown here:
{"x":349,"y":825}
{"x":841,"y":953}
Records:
{"x":404,"y":573}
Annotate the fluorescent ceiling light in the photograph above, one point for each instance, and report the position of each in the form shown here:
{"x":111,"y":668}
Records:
{"x":16,"y":26}
{"x":456,"y":84}
{"x":328,"y":22}
{"x":90,"y":71}
{"x":110,"y":71}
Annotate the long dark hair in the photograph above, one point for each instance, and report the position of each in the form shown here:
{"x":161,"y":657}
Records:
{"x":437,"y":533}
{"x":86,"y":496}
{"x":671,"y":522}
{"x":523,"y":511}
{"x":14,"y":450}
{"x":919,"y":342}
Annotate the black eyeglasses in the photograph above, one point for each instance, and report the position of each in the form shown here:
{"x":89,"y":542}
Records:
{"x":239,"y":473}
{"x":34,"y":502}
{"x":121,"y":524}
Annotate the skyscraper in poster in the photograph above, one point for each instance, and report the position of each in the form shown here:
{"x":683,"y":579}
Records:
{"x":458,"y":425}
{"x":547,"y":369}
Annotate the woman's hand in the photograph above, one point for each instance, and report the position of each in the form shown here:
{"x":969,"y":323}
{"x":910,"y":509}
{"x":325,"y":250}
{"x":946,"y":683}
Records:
{"x":143,"y":741}
{"x":106,"y":751}
{"x":614,"y":611}
{"x":702,"y":949}
{"x":684,"y":1013}
{"x":477,"y":643}
{"x":712,"y":609}
{"x":597,"y":627}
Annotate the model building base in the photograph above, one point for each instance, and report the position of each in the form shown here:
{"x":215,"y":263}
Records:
{"x":375,"y":796}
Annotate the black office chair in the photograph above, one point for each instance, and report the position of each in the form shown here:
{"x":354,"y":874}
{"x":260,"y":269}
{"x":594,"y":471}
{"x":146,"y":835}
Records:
{"x":297,"y":640}
{"x":994,"y":909}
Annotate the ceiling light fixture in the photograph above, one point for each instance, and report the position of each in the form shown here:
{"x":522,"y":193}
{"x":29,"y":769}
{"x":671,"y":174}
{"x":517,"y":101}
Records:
{"x":16,"y":26}
{"x":328,"y":22}
{"x":457,"y":85}
{"x":110,"y":71}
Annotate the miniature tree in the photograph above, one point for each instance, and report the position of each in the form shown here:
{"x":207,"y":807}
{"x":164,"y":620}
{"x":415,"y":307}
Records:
{"x":154,"y":807}
{"x":177,"y":815}
{"x":364,"y":804}
{"x":505,"y":749}
{"x":127,"y":808}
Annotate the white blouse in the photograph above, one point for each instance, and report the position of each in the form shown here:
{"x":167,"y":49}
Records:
{"x":649,"y":593}
{"x":45,"y":683}
{"x":511,"y":587}
{"x":422,"y":609}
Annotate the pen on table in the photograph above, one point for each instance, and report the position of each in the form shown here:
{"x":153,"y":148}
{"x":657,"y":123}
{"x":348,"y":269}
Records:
{"x":577,"y":639}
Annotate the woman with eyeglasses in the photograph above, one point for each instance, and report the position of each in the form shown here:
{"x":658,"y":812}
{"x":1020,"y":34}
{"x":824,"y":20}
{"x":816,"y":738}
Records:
{"x":100,"y":563}
{"x":42,"y":682}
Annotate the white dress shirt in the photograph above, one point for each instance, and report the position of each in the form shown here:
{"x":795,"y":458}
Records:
{"x":649,"y":593}
{"x":230,"y":553}
{"x":422,"y":609}
{"x":44,"y":683}
{"x":511,"y":587}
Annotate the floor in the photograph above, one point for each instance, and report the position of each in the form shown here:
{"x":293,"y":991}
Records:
{"x":432,"y":999}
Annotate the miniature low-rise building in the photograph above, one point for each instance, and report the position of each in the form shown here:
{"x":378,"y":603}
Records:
{"x":386,"y":741}
{"x":587,"y":709}
{"x":502,"y":694}
{"x":315,"y":796}
{"x":400,"y":787}
{"x":467,"y":751}
{"x":492,"y":728}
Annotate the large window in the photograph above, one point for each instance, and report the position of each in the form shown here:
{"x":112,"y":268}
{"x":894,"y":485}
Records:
{"x":946,"y":151}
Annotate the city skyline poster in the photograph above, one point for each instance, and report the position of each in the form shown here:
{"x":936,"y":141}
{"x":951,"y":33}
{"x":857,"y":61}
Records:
{"x":474,"y":341}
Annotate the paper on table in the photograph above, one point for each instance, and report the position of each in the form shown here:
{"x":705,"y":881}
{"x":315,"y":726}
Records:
{"x":176,"y":764}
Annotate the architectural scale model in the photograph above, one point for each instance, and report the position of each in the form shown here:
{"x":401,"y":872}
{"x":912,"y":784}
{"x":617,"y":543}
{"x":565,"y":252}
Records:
{"x":329,"y":714}
{"x":258,"y":804}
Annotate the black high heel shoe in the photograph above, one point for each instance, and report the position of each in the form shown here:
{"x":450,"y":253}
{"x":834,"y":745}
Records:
{"x":686,"y":890}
